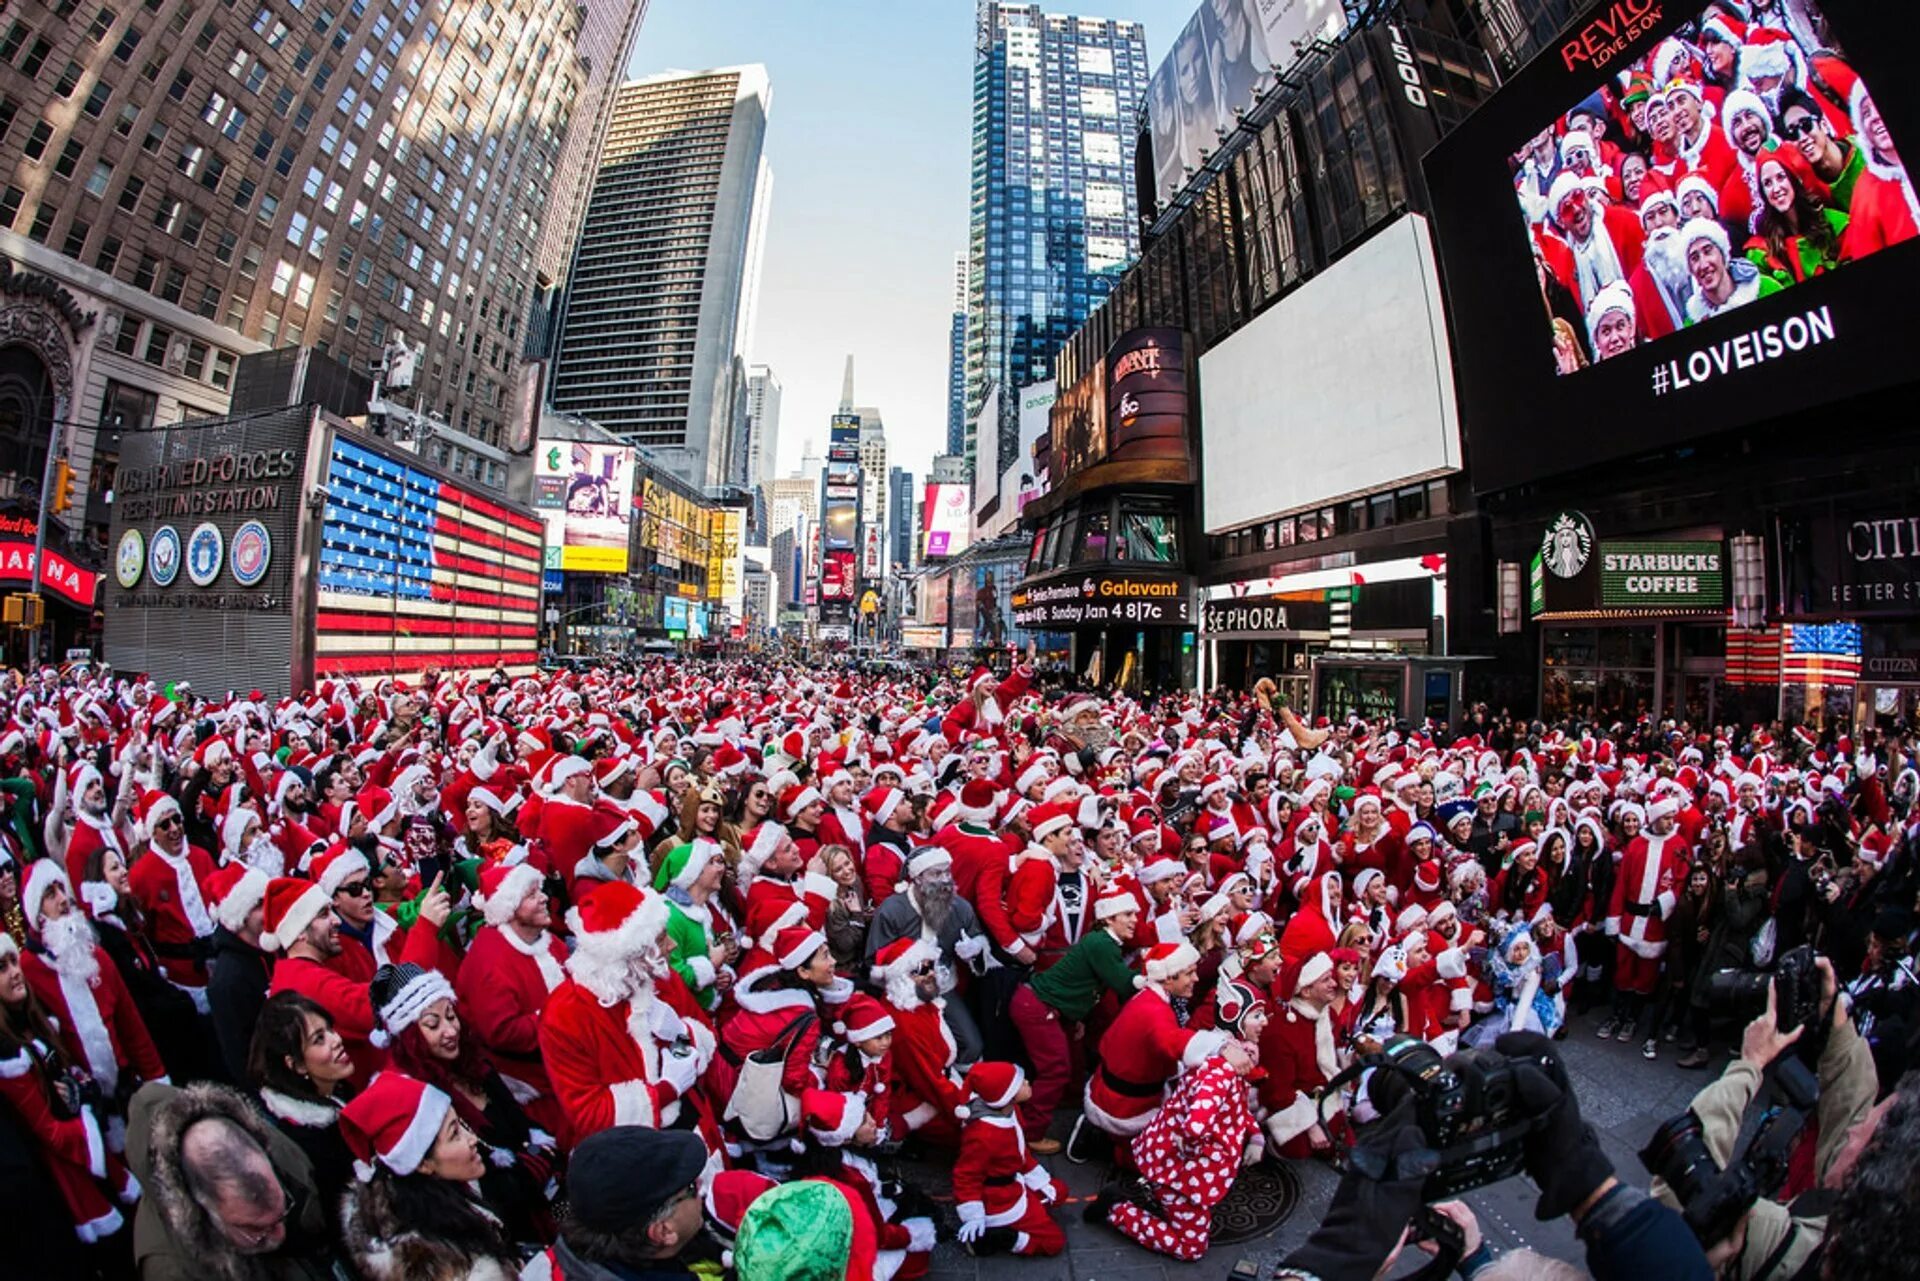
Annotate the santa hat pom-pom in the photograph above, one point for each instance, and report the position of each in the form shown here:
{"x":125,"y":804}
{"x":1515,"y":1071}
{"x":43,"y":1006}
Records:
{"x":963,"y":1112}
{"x":379,"y":1039}
{"x":726,"y":1260}
{"x":839,"y":1028}
{"x":363,"y":1171}
{"x":501,"y":1157}
{"x":1139,"y":984}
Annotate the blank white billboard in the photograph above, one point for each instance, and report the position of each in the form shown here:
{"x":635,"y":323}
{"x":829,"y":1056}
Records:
{"x":1342,"y":388}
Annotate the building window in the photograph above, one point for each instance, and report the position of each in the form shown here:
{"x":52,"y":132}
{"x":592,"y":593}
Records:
{"x":109,"y":256}
{"x":222,"y":376}
{"x":209,"y":301}
{"x":130,"y":194}
{"x":127,"y":341}
{"x":36,"y":145}
{"x":10,"y":201}
{"x":36,"y":57}
{"x":69,"y":159}
{"x":196,"y":364}
{"x":175,"y":286}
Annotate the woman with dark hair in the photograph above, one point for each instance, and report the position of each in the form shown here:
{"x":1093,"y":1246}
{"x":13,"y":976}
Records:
{"x":421,"y":1019}
{"x":1796,"y":236}
{"x":489,"y":831}
{"x":58,"y":1105}
{"x":178,"y":1029}
{"x":1739,"y":913}
{"x":1521,"y":888}
{"x":299,"y":1069}
{"x":413,"y":1212}
{"x":1688,"y":931}
{"x":752,"y":804}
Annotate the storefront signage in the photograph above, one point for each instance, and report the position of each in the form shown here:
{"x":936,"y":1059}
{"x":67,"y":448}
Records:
{"x":1849,"y":564}
{"x":1565,"y":546}
{"x":1271,"y":618}
{"x":255,"y":481}
{"x":61,"y":576}
{"x":31,"y":284}
{"x":1686,"y":575}
{"x":1103,"y":598}
{"x":1147,"y":395}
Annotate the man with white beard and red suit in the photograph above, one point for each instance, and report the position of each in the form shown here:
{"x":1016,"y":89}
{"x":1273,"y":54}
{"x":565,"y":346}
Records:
{"x":511,"y":968}
{"x":1646,"y":888}
{"x":1605,"y":240}
{"x":924,"y":1049}
{"x":616,"y":1052}
{"x":1662,"y":283}
{"x":93,"y":827}
{"x":79,"y":986}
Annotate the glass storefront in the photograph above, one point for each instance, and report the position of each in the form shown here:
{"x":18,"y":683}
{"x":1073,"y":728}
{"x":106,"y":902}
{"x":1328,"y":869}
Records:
{"x":1601,"y":673}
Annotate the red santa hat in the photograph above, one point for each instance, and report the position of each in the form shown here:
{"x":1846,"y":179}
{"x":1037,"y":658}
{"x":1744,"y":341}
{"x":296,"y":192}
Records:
{"x":292,"y":905}
{"x":1213,"y":785}
{"x":338,"y":866}
{"x":614,"y":921}
{"x":153,"y":808}
{"x":503,"y":888}
{"x":993,"y":1083}
{"x":1112,"y":901}
{"x":894,"y":966}
{"x":233,"y":891}
{"x":795,"y":945}
{"x":729,"y":760}
{"x":978,"y":677}
{"x":1411,"y":917}
{"x":396,"y":1121}
{"x":378,"y":805}
{"x":234,"y":825}
{"x":862,"y":1019}
{"x":42,"y":875}
{"x":562,"y":768}
{"x":1664,"y":807}
{"x":978,"y":801}
{"x":1033,"y":775}
{"x":1160,"y":868}
{"x":879,"y":803}
{"x":1426,"y":876}
{"x":797,"y":798}
{"x":1312,"y":970}
{"x":1164,"y":960}
{"x":761,"y":843}
{"x":832,"y":1117}
{"x":1048,"y":819}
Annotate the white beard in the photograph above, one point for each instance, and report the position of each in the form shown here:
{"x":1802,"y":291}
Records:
{"x":266,"y":856}
{"x":70,"y":941}
{"x":1667,"y":264}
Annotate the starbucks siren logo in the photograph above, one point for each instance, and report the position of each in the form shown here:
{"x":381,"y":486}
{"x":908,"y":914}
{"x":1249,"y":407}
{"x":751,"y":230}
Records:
{"x":1567,"y":544}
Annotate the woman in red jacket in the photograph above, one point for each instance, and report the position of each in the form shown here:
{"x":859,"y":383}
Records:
{"x":55,"y":1100}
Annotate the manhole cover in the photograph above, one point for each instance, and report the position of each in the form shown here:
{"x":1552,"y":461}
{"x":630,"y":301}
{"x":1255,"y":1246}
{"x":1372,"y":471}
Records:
{"x":1262,"y":1199}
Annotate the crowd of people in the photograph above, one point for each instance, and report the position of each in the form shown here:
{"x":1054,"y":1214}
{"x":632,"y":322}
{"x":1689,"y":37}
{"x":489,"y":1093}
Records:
{"x":656,"y":969}
{"x":1739,"y":157}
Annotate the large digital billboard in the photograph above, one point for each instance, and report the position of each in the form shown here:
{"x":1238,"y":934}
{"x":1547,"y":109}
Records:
{"x":593,"y":485}
{"x":1223,"y":61}
{"x":1147,"y":395}
{"x":944,"y":520}
{"x":1660,"y":228}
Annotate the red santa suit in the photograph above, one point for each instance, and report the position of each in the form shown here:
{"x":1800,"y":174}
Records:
{"x":996,"y":1181}
{"x":171,"y":890}
{"x":924,"y":1092}
{"x":1312,"y":929}
{"x":1033,"y":895}
{"x":503,"y":986}
{"x":1299,"y":1054}
{"x":616,"y":1055}
{"x":567,"y":828}
{"x":980,"y":869}
{"x":1429,"y":992}
{"x":905,"y":1243}
{"x":100,"y":1026}
{"x":1190,"y":1155}
{"x":1645,"y":890}
{"x":89,"y":836}
{"x":1144,"y":1049}
{"x":964,"y":718}
{"x":74,"y":1149}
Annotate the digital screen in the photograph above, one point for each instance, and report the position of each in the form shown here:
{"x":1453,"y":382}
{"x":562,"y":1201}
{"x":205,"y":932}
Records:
{"x":839,"y":525}
{"x":593,"y":485}
{"x":944,"y":519}
{"x":1726,"y":164}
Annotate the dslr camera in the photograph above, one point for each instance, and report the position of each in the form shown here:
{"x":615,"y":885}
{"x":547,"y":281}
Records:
{"x":1796,"y":994}
{"x":1467,"y":1106}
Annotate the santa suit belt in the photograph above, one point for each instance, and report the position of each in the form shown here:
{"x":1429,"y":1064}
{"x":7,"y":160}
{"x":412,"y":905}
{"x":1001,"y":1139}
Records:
{"x":198,"y":950}
{"x":1131,"y":1089}
{"x":1000,"y":1180}
{"x":1639,"y":909}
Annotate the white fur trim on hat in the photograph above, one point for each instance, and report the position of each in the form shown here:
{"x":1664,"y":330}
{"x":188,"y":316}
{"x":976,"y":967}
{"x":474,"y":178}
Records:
{"x":565,"y":768}
{"x":1057,"y":822}
{"x":293,"y":924}
{"x":422,"y":1132}
{"x":799,"y":955}
{"x":408,"y":1004}
{"x":766,"y":839}
{"x":927,"y":858}
{"x":521,"y":880}
{"x":246,"y":894}
{"x":1313,"y":969}
{"x":1181,"y":958}
{"x":42,"y":875}
{"x":704,"y":851}
{"x":343,"y":867}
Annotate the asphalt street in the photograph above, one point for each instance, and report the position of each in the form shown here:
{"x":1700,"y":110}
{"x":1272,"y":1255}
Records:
{"x":1622,"y":1094}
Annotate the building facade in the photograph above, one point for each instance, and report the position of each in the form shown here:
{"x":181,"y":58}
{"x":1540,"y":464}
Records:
{"x":659,"y":304}
{"x":1054,"y":215}
{"x":957,"y":361}
{"x":763,"y":424}
{"x":900,"y":522}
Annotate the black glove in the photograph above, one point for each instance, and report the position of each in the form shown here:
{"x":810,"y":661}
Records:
{"x":1563,"y":1154}
{"x":1378,"y":1196}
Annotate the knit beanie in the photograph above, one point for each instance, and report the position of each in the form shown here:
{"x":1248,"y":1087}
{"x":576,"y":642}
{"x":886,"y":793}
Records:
{"x":801,"y":1231}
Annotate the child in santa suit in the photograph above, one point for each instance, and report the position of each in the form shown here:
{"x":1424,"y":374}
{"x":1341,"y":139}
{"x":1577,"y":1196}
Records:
{"x":1299,"y":1054}
{"x":863,"y":1064}
{"x":1195,"y":1145}
{"x":840,"y":1122}
{"x":1003,"y":1193}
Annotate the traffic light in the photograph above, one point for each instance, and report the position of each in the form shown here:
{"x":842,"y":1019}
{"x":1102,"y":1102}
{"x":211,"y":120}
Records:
{"x":62,"y":487}
{"x":24,"y":610}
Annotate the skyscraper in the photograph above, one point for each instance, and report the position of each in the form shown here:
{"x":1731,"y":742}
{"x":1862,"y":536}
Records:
{"x":900,"y":534}
{"x":1055,"y":218}
{"x":763,"y":423}
{"x":211,"y":180}
{"x":957,"y":361}
{"x":660,"y":301}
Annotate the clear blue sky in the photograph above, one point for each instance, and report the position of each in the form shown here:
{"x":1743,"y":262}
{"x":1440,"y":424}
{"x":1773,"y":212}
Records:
{"x":868,"y":140}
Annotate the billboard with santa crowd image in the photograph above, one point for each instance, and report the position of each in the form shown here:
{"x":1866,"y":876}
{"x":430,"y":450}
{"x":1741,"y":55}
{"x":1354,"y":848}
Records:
{"x":1670,"y":212}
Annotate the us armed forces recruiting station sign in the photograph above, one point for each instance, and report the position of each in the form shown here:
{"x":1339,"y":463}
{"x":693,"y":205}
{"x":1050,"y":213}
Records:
{"x":1104,"y":597}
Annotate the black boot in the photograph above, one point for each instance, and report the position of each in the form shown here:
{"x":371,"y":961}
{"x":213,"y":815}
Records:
{"x":993,"y":1241}
{"x":1100,"y":1209}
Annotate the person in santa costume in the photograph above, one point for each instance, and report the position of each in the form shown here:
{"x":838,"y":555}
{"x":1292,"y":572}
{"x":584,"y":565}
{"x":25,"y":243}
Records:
{"x":1033,"y":881}
{"x":924,"y":1051}
{"x":615,"y":1051}
{"x":782,"y":1005}
{"x":301,"y":926}
{"x":1192,"y":1151}
{"x":42,"y":1081}
{"x":1147,"y":1047}
{"x":1299,"y":1054}
{"x":1315,"y":928}
{"x":241,"y":970}
{"x":1884,"y":210}
{"x":861,"y":1060}
{"x":931,"y":908}
{"x":566,"y":822}
{"x":704,"y":944}
{"x":170,"y":883}
{"x":1646,"y":889}
{"x":73,"y":979}
{"x":93,"y":823}
{"x":512,"y":966}
{"x":841,"y":1122}
{"x":987,"y":702}
{"x":1000,"y":1190}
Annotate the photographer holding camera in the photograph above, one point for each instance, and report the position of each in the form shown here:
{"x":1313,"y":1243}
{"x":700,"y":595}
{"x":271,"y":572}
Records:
{"x":1444,"y":1127}
{"x":1747,"y":1236}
